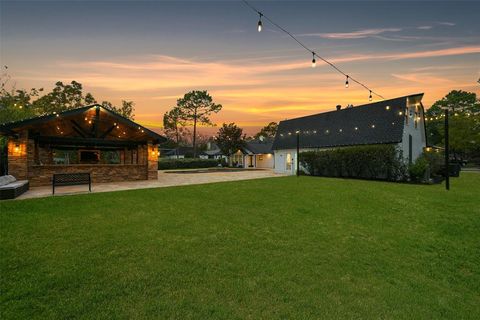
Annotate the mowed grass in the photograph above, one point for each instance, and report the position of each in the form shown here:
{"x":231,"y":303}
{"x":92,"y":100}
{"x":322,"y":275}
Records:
{"x":279,"y":248}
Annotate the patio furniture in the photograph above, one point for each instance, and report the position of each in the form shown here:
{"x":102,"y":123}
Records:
{"x":71,"y":179}
{"x":10,"y":188}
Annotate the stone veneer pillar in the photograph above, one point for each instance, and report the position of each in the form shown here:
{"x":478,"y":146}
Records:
{"x":152,"y":156}
{"x":18,"y":151}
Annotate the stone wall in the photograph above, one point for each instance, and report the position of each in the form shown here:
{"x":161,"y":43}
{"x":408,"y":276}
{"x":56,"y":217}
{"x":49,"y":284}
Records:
{"x":17,"y":156}
{"x":41,"y":175}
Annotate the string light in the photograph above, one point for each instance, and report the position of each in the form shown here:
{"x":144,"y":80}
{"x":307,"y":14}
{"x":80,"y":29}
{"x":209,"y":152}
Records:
{"x":306,"y":48}
{"x":370,"y":96}
{"x":314,"y":62}
{"x":387,"y":108}
{"x":346,"y":83}
{"x":259,"y":27}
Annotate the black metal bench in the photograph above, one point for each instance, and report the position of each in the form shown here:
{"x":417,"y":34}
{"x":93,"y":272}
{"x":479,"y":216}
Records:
{"x":71,"y":179}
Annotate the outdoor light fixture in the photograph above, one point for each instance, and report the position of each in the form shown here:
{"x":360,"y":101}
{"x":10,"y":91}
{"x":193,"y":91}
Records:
{"x":340,"y":130}
{"x":373,"y":126}
{"x":356,"y":128}
{"x":260,"y":22}
{"x":387,"y":108}
{"x":291,"y":35}
{"x":400,"y":113}
{"x":314,"y":62}
{"x":17,"y":147}
{"x":370,"y":96}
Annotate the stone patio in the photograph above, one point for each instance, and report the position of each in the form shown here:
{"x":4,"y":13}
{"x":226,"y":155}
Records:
{"x":164,"y":180}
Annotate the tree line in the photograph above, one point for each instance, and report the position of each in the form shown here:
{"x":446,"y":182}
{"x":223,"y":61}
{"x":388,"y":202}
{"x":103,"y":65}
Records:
{"x":17,"y":104}
{"x":464,"y":124}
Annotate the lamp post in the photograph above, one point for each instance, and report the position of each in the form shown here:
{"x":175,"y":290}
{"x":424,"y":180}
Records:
{"x":298,"y":152}
{"x":447,"y":152}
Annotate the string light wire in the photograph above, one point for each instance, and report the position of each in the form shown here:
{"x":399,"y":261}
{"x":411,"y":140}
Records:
{"x":310,"y":50}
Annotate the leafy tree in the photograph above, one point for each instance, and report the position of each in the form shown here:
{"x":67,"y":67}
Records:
{"x":18,"y":104}
{"x":64,"y":97}
{"x":125,"y":110}
{"x":196,"y":108}
{"x":230,"y":138}
{"x":268,"y":131}
{"x":464,"y":123}
{"x":173,"y":126}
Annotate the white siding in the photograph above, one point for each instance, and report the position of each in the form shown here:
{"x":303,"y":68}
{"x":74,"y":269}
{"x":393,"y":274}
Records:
{"x":416,"y":131}
{"x":265,"y":161}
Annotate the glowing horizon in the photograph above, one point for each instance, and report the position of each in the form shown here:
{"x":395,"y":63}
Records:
{"x":168,"y":49}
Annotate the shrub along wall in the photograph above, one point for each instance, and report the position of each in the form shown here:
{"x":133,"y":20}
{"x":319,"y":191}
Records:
{"x":382,"y":162}
{"x":165,"y":164}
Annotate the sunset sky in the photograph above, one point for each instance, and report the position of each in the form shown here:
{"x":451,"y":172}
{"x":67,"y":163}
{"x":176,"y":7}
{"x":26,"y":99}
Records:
{"x":152,"y":52}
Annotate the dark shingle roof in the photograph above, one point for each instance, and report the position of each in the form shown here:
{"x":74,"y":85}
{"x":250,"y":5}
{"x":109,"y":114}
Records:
{"x":7,"y":128}
{"x":373,"y":123}
{"x":259,"y":147}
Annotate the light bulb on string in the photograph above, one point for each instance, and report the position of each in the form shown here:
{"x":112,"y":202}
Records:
{"x":260,"y":22}
{"x":370,"y":97}
{"x":314,"y":62}
{"x":346,"y":83}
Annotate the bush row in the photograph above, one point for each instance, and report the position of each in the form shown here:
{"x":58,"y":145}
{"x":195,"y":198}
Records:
{"x":165,"y":164}
{"x":382,"y":162}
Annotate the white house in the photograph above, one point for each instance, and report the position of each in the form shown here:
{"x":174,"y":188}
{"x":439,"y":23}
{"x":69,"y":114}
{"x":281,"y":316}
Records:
{"x":255,"y":154}
{"x":398,"y":121}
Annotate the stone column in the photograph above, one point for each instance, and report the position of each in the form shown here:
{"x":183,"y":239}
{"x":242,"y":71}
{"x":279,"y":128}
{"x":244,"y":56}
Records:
{"x":152,"y":166}
{"x":18,"y":150}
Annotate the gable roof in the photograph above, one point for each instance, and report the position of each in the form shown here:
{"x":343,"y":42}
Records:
{"x":72,"y":114}
{"x":259,"y":147}
{"x":374,"y":123}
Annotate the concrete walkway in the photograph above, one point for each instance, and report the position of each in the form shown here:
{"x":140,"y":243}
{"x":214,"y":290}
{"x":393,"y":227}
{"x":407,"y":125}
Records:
{"x":164,"y":180}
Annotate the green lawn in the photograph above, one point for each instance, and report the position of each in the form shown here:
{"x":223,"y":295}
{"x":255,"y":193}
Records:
{"x":279,"y":248}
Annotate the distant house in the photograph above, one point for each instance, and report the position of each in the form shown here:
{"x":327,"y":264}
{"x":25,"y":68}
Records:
{"x":90,"y":139}
{"x":398,"y":121}
{"x":255,"y":154}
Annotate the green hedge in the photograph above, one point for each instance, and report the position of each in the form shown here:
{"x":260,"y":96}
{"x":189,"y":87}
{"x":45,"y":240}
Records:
{"x":165,"y":164}
{"x":428,"y":165}
{"x":382,"y":162}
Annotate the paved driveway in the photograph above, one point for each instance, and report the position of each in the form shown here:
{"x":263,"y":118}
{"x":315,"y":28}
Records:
{"x":164,"y":180}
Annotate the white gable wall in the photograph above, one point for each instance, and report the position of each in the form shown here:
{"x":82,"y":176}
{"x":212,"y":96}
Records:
{"x":414,"y":113}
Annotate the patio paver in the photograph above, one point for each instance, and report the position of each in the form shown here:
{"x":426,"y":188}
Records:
{"x":164,"y":180}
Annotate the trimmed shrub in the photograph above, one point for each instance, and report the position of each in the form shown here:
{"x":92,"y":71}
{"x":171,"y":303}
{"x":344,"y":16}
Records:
{"x":382,"y":162}
{"x":166,"y":164}
{"x":430,"y":165}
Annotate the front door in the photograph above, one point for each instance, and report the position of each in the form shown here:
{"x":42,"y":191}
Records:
{"x":250,"y":159}
{"x":288,"y":162}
